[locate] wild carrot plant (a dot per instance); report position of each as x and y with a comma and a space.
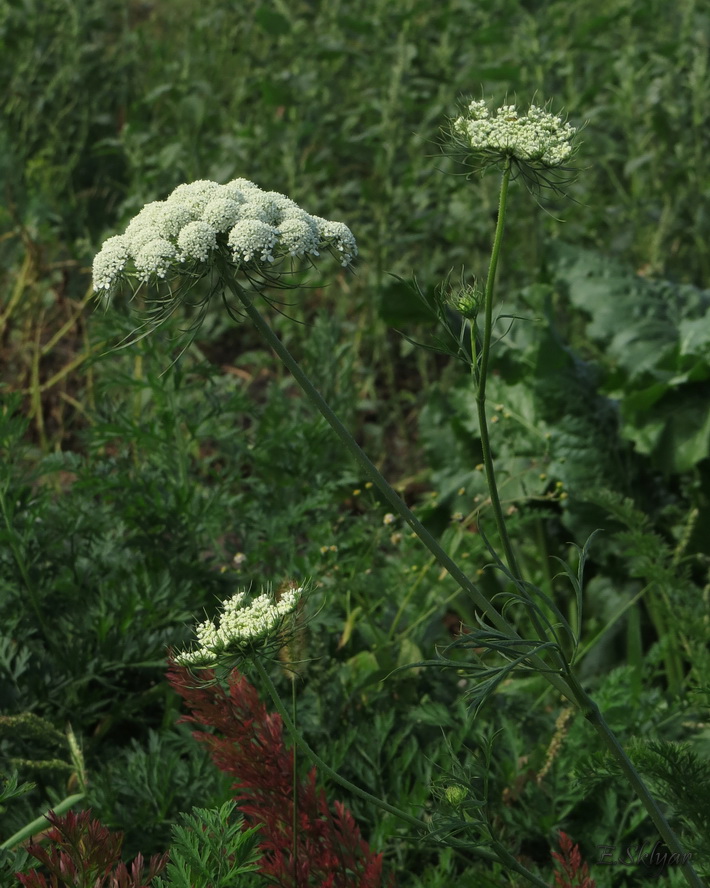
243, 243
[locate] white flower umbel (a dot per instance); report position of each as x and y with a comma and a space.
244, 627
196, 240
248, 227
110, 262
536, 140
339, 236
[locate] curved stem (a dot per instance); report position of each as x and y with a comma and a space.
396, 502
588, 707
593, 714
318, 761
483, 853
568, 686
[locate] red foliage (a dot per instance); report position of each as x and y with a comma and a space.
249, 745
575, 873
82, 853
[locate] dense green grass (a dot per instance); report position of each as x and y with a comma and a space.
129, 481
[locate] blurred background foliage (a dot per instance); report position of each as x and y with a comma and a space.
136, 490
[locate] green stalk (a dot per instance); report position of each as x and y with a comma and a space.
41, 823
588, 707
480, 369
298, 740
396, 502
569, 687
593, 714
318, 761
480, 372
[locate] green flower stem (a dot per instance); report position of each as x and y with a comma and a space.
572, 691
593, 714
318, 761
41, 822
480, 372
298, 740
588, 707
396, 502
481, 376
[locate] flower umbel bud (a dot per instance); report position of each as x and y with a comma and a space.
455, 794
467, 300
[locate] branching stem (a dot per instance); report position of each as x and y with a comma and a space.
419, 825
565, 682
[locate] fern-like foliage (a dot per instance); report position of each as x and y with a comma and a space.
212, 849
82, 853
248, 744
683, 778
573, 872
677, 608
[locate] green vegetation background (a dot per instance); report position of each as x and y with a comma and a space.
129, 482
